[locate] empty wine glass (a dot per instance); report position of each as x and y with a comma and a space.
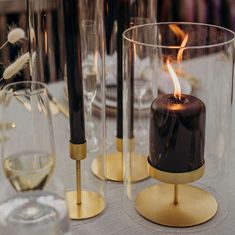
28, 157
90, 58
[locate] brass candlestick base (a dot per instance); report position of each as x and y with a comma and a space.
139, 168
91, 205
82, 204
194, 206
115, 165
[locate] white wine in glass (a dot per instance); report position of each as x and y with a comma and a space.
28, 170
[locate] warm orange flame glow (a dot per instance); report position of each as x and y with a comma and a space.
181, 50
177, 31
134, 51
46, 44
177, 89
180, 33
96, 63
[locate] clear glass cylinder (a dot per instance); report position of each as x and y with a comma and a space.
46, 40
185, 130
85, 45
52, 26
118, 16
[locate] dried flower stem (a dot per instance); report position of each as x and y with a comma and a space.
15, 67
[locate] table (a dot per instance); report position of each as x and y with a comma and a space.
115, 220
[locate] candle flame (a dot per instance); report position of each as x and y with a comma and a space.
185, 37
96, 63
46, 43
177, 88
181, 50
180, 33
134, 51
177, 31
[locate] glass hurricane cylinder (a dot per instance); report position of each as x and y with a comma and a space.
187, 150
54, 27
118, 16
84, 43
46, 40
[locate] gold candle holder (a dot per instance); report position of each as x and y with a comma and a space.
115, 164
174, 203
82, 204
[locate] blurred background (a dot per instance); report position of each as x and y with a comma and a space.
218, 12
13, 14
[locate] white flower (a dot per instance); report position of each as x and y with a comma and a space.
14, 36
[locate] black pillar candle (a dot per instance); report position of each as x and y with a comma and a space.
74, 72
177, 133
123, 18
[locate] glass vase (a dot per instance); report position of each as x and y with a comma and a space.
184, 72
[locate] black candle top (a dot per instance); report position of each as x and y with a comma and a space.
74, 72
186, 105
177, 133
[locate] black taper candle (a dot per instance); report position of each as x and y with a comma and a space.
130, 100
74, 72
177, 133
123, 19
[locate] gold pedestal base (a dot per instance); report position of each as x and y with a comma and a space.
139, 168
195, 206
91, 205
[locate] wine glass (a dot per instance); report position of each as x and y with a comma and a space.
28, 157
90, 58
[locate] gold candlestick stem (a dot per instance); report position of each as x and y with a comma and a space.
78, 173
176, 194
159, 204
82, 204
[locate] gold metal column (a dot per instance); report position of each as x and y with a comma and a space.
82, 204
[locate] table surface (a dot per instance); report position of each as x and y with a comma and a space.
115, 220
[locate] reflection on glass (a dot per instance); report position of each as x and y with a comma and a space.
90, 77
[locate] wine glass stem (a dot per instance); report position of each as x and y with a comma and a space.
139, 111
89, 118
89, 111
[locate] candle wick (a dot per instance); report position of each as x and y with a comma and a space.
177, 97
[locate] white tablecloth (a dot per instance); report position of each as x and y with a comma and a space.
115, 220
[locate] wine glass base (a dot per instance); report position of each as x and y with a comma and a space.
92, 204
138, 170
33, 212
92, 144
195, 206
